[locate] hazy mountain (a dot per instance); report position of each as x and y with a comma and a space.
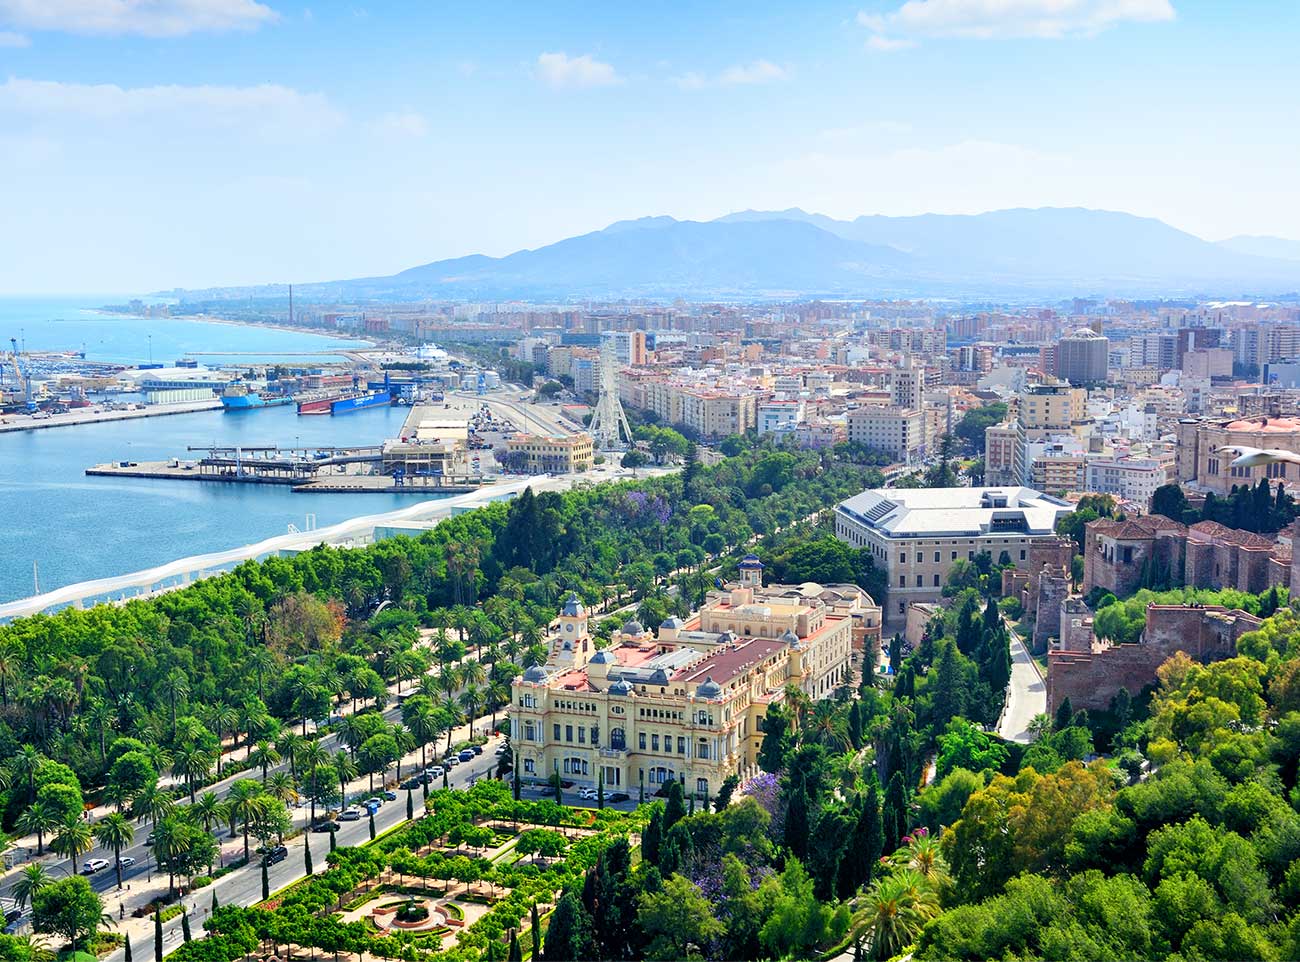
775, 254
1263, 246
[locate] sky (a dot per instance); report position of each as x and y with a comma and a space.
150, 144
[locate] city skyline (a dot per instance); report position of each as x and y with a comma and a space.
237, 142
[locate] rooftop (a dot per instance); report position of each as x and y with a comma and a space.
922, 512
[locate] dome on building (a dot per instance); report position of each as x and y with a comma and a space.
572, 606
672, 622
709, 688
632, 627
619, 686
535, 673
604, 657
658, 677
790, 638
750, 561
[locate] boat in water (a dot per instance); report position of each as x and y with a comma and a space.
344, 402
239, 397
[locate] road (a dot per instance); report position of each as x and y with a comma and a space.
1026, 695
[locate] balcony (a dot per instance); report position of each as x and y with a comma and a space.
615, 753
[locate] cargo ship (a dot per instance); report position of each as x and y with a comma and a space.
238, 397
345, 402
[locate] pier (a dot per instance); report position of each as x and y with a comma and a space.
78, 416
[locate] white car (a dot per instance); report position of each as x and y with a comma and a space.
94, 865
587, 792
128, 861
350, 815
435, 772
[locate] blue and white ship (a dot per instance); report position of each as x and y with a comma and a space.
239, 397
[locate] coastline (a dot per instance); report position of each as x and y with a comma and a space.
369, 345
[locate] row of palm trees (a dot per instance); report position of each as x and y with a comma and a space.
908, 893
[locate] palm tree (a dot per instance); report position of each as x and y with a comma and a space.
99, 719
24, 766
192, 763
10, 667
208, 811
450, 715
498, 695
470, 699
244, 805
827, 728
38, 819
346, 770
174, 687
153, 804
284, 787
31, 947
73, 840
31, 880
224, 719
472, 672
893, 912
290, 746
263, 756
114, 833
405, 744
923, 856
424, 729
798, 701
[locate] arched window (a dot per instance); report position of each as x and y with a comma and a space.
617, 740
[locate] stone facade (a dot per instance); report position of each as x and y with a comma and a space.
1117, 554
1091, 673
1053, 592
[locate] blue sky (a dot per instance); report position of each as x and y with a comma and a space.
152, 143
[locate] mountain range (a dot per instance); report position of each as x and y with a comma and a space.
756, 255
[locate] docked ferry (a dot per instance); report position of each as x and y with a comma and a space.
344, 402
238, 397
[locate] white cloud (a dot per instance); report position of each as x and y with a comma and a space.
989, 19
402, 123
756, 72
266, 107
560, 70
150, 18
10, 39
888, 44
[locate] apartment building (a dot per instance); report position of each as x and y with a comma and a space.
1132, 479
779, 417
918, 534
1053, 407
897, 431
684, 703
537, 454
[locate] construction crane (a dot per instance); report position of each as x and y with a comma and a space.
24, 378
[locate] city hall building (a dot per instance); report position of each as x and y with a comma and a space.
684, 703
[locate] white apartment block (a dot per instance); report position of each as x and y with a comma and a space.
897, 431
1133, 479
779, 417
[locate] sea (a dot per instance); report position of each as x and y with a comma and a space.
58, 526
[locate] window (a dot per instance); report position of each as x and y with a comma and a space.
556, 732
582, 735
702, 750
919, 580
970, 555
902, 557
1022, 554
530, 732
954, 556
681, 745
568, 733
701, 786
641, 740
936, 557
617, 740
902, 581
529, 767
654, 742
936, 581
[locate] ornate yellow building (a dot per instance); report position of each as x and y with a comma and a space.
685, 704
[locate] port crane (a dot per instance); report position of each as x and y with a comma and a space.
24, 377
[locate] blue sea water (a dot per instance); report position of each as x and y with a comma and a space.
76, 527
73, 324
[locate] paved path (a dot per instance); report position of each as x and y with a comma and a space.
1026, 695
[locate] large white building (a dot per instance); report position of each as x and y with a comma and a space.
917, 534
897, 431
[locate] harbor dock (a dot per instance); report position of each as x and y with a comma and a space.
78, 416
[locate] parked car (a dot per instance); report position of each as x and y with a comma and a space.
465, 755
94, 865
128, 861
277, 854
587, 792
412, 783
350, 815
389, 794
476, 749
325, 826
151, 838
451, 761
436, 771
618, 797
371, 805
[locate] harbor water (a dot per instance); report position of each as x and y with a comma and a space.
76, 528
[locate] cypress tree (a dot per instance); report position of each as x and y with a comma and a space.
515, 955
372, 826
894, 813
515, 773
1064, 712
675, 810
157, 935
215, 904
334, 842
641, 800
126, 945
797, 821
185, 926
569, 936
653, 836
410, 806
537, 931
600, 787
306, 855
266, 881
